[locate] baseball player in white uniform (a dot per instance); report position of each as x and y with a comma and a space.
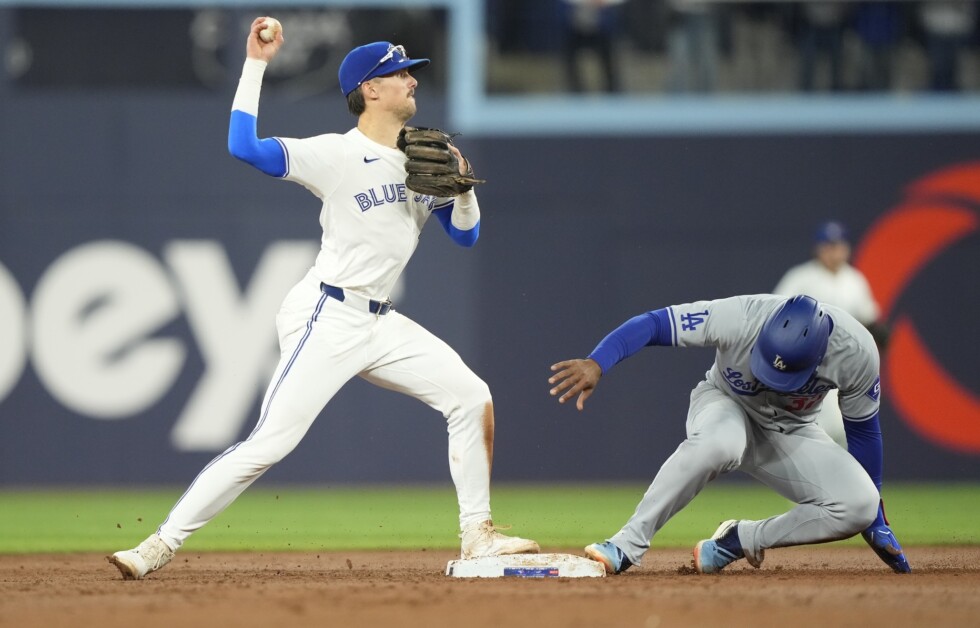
775, 360
829, 278
337, 322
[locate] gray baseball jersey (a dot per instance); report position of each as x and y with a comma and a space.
732, 325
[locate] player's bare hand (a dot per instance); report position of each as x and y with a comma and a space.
255, 48
575, 377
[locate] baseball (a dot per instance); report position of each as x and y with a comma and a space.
270, 29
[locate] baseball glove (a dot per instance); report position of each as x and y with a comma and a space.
432, 168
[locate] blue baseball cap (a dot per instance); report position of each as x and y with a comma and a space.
791, 345
370, 60
832, 231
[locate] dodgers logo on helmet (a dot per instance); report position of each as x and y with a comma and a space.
791, 344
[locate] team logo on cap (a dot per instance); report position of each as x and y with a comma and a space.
778, 363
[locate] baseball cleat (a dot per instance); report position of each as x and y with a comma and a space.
609, 555
723, 548
147, 557
482, 539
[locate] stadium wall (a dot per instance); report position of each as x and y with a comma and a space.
141, 267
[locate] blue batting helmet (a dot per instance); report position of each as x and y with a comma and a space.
791, 344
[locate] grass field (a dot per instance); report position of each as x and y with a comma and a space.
565, 515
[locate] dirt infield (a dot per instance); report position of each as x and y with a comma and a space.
812, 586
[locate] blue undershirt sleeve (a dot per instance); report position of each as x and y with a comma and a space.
648, 329
243, 142
864, 443
460, 237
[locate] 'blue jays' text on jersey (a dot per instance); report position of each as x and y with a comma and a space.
851, 363
371, 221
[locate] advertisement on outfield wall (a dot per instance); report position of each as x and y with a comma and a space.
936, 213
141, 269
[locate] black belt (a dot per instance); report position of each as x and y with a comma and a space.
373, 307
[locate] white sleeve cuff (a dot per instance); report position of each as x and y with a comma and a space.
249, 86
466, 211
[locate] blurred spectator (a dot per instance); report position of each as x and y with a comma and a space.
947, 25
822, 36
518, 26
761, 45
692, 46
879, 24
829, 278
592, 25
750, 46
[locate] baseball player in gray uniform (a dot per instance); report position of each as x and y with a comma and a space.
337, 322
775, 360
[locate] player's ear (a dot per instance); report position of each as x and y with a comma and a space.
370, 89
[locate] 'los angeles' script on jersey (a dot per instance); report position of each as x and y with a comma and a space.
746, 385
742, 385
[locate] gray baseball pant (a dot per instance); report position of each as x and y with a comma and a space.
835, 498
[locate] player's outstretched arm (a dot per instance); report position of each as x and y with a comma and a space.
243, 142
575, 377
580, 377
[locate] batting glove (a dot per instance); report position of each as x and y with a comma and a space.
882, 540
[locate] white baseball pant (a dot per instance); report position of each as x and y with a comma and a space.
324, 343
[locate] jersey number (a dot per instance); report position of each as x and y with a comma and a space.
803, 403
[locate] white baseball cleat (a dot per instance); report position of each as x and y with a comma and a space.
147, 557
482, 539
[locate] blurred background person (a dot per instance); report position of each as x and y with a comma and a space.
829, 278
692, 46
880, 25
947, 26
763, 51
592, 26
822, 36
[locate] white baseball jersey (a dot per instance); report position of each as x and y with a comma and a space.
847, 288
732, 326
371, 221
